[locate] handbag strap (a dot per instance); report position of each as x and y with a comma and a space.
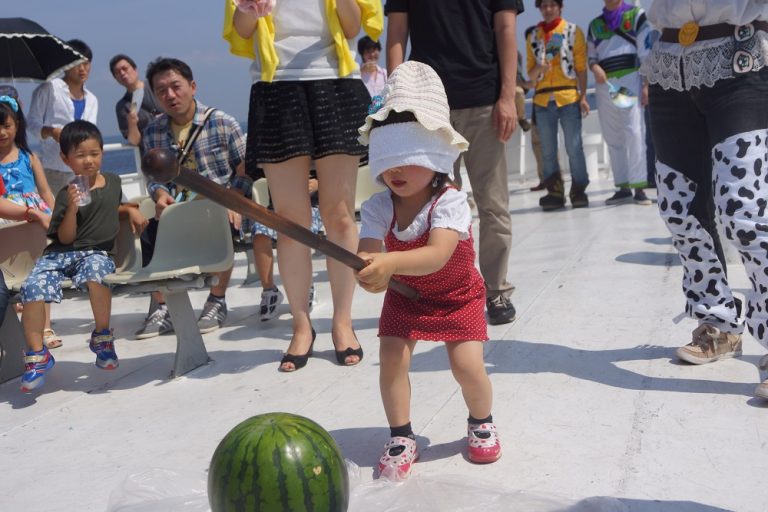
184, 154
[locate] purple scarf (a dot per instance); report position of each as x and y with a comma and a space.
613, 18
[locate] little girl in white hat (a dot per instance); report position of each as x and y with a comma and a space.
419, 231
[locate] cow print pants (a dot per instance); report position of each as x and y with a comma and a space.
712, 159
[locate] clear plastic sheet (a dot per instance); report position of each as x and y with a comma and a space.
426, 492
163, 490
160, 490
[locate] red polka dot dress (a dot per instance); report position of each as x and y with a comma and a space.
451, 305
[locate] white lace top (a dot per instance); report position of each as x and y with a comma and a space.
451, 212
703, 62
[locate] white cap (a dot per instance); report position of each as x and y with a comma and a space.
430, 142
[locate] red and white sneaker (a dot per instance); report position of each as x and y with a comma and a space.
483, 442
397, 460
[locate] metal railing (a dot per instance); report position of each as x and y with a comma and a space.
134, 179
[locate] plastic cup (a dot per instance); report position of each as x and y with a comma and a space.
83, 185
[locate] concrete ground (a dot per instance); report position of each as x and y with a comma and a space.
594, 411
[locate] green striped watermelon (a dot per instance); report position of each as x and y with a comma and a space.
278, 462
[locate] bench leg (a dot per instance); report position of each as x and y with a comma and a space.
12, 346
190, 349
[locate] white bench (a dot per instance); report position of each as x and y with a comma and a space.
21, 243
193, 242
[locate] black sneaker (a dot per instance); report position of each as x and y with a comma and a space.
623, 195
500, 310
552, 202
641, 198
579, 200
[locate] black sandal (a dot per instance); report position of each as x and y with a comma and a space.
342, 355
298, 361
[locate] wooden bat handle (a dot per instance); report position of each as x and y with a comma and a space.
242, 205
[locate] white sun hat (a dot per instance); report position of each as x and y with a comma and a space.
430, 142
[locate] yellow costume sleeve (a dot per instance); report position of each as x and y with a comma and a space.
579, 51
530, 58
372, 20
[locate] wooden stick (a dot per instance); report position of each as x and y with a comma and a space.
160, 165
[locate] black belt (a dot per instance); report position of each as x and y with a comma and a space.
706, 32
620, 63
555, 89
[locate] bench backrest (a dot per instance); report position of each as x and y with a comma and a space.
193, 237
21, 243
260, 192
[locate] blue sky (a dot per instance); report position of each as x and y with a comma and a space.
188, 30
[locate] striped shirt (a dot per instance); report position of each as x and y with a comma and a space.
218, 150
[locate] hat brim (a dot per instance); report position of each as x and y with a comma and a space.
428, 122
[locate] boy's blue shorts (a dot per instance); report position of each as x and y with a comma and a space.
257, 228
44, 282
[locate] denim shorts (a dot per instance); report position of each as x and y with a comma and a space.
44, 282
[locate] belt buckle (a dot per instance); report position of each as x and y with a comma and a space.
743, 62
688, 33
744, 32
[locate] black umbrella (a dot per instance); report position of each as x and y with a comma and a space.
29, 52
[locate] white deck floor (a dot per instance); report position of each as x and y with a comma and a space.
588, 398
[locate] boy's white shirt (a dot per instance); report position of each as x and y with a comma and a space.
52, 106
451, 212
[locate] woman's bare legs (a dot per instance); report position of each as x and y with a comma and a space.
290, 196
337, 180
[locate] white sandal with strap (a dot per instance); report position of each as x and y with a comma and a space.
51, 339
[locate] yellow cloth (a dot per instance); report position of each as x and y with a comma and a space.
372, 22
181, 134
555, 76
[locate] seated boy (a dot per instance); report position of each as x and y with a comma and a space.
82, 248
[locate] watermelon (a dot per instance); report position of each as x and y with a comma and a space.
278, 462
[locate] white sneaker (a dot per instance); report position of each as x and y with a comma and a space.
213, 316
156, 323
270, 299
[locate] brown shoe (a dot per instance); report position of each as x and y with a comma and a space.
761, 391
578, 197
539, 187
710, 344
